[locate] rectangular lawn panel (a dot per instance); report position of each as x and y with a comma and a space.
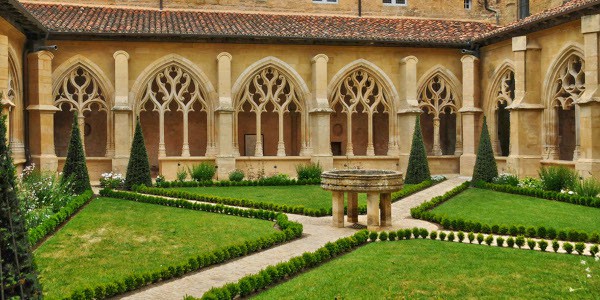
112, 238
310, 196
490, 207
426, 269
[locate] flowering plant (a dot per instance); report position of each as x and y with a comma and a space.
438, 178
112, 180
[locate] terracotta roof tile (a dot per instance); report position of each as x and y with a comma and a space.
72, 19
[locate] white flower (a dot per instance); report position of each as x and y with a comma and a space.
571, 289
588, 269
583, 262
589, 275
571, 192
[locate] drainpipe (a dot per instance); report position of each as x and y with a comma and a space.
160, 4
488, 8
360, 8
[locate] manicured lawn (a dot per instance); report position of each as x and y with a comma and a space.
311, 196
500, 208
112, 238
425, 269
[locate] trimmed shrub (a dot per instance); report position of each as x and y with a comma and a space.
489, 240
418, 166
75, 170
423, 233
543, 245
471, 237
531, 243
480, 238
407, 234
433, 235
236, 175
451, 236
531, 232
461, 236
485, 168
500, 241
383, 236
510, 242
392, 235
202, 172
551, 233
416, 232
309, 171
594, 250
138, 168
555, 245
557, 178
443, 236
568, 247
520, 241
17, 269
373, 236
580, 248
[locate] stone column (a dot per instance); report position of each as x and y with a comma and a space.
526, 110
225, 159
408, 90
385, 209
470, 112
320, 114
41, 111
372, 210
123, 126
588, 162
5, 104
338, 209
352, 207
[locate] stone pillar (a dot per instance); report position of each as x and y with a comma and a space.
470, 112
338, 209
385, 209
352, 207
588, 162
320, 114
225, 159
5, 104
372, 210
123, 126
408, 90
41, 111
526, 110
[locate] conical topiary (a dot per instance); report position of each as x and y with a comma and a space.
138, 169
485, 164
75, 169
418, 167
18, 277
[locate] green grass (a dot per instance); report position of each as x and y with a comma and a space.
425, 269
112, 238
310, 196
490, 207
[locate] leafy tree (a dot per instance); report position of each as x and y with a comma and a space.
18, 277
75, 170
138, 169
418, 167
485, 164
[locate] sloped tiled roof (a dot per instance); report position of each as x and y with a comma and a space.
72, 19
567, 12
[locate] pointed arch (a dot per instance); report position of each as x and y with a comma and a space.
79, 85
440, 97
15, 96
500, 94
167, 86
271, 91
563, 84
359, 93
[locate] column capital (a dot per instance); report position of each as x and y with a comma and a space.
409, 59
590, 23
224, 55
42, 55
469, 59
521, 43
121, 53
320, 58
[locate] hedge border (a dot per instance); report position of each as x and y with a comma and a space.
261, 182
289, 231
275, 274
49, 226
293, 209
424, 212
548, 195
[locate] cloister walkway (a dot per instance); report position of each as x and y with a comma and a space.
317, 232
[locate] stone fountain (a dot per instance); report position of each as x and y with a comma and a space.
377, 184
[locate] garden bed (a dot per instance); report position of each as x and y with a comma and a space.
113, 246
430, 269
